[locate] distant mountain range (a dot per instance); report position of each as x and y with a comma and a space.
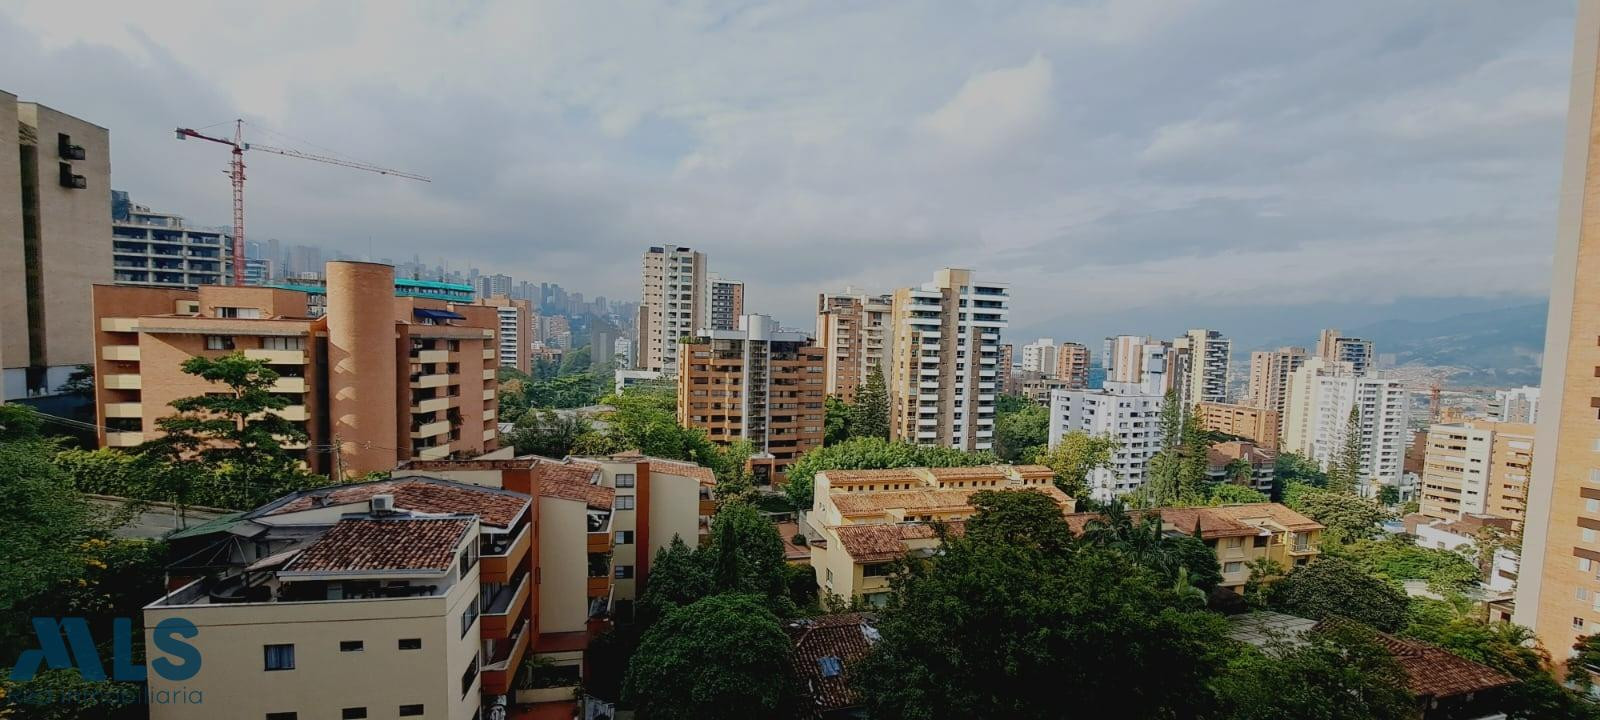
1488, 348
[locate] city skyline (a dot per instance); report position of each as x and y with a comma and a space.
1209, 172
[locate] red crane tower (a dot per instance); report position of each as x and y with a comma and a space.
236, 174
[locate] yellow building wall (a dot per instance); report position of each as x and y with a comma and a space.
563, 565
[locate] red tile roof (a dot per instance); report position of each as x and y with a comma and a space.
1433, 672
880, 543
851, 503
846, 638
497, 508
400, 543
1217, 522
572, 481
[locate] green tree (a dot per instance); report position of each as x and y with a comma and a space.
1456, 626
1022, 433
1340, 673
870, 453
1344, 475
1347, 516
1389, 496
869, 417
1295, 468
41, 540
747, 555
678, 578
1143, 539
546, 433
836, 423
1334, 586
1019, 517
1397, 559
1229, 494
991, 628
1076, 455
19, 423
723, 657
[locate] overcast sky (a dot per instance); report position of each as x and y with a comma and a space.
1100, 156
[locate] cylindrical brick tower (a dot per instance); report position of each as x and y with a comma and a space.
361, 367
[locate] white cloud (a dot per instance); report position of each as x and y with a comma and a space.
995, 108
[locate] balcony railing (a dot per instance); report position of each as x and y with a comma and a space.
502, 669
505, 609
500, 566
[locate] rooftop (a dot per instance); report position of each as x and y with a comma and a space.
928, 499
494, 507
383, 544
880, 543
824, 649
573, 481
1244, 520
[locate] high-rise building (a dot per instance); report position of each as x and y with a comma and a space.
1039, 356
758, 383
1517, 405
727, 302
1140, 360
1206, 376
1269, 376
1557, 584
151, 248
516, 330
1072, 365
1476, 468
1006, 370
855, 331
1317, 421
944, 373
382, 377
491, 285
55, 222
1258, 425
1334, 347
673, 303
1125, 412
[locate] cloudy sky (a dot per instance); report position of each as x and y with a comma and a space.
1179, 159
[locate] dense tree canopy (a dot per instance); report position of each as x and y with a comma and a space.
1340, 674
1347, 516
866, 453
1334, 586
1021, 430
1398, 558
869, 416
1075, 456
724, 656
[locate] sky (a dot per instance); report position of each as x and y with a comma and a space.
1164, 163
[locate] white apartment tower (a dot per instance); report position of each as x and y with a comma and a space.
1334, 347
1140, 360
673, 303
944, 376
1040, 356
1518, 405
1124, 411
1321, 396
727, 303
1205, 377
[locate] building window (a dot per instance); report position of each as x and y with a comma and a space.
279, 657
410, 643
1583, 564
1577, 623
239, 312
468, 677
353, 713
875, 570
411, 710
351, 646
1232, 568
624, 537
624, 502
469, 616
283, 343
624, 572
624, 480
219, 342
283, 716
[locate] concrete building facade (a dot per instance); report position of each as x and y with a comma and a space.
1335, 347
1205, 379
1260, 425
372, 388
55, 218
1072, 365
673, 303
152, 248
1122, 411
855, 330
757, 383
1476, 468
1321, 397
727, 302
1269, 376
1040, 356
1517, 405
516, 325
1142, 361
945, 371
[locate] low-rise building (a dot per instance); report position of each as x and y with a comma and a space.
861, 520
1258, 425
825, 647
1240, 535
1221, 458
1464, 535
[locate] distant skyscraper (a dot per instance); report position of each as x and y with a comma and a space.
1334, 347
855, 332
1040, 356
1072, 365
1206, 376
727, 302
673, 303
1123, 411
1317, 419
943, 378
1519, 405
1269, 376
1140, 360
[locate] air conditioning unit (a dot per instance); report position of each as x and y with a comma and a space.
382, 504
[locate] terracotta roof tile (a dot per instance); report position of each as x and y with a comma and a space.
683, 469
1277, 512
400, 543
1433, 672
929, 499
985, 472
826, 640
573, 481
497, 508
1217, 522
879, 543
874, 475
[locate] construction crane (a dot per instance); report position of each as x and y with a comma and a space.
236, 174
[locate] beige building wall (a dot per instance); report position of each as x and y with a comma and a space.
1269, 376
1511, 464
381, 677
1558, 557
1072, 365
13, 282
563, 564
1258, 424
934, 364
361, 377
1455, 471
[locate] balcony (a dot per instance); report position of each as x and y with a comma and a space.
119, 324
488, 394
488, 415
431, 405
124, 439
490, 434
127, 353
600, 542
428, 430
489, 373
501, 613
502, 669
437, 452
124, 410
489, 354
122, 381
289, 385
419, 382
498, 567
599, 587
430, 356
295, 413
277, 357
